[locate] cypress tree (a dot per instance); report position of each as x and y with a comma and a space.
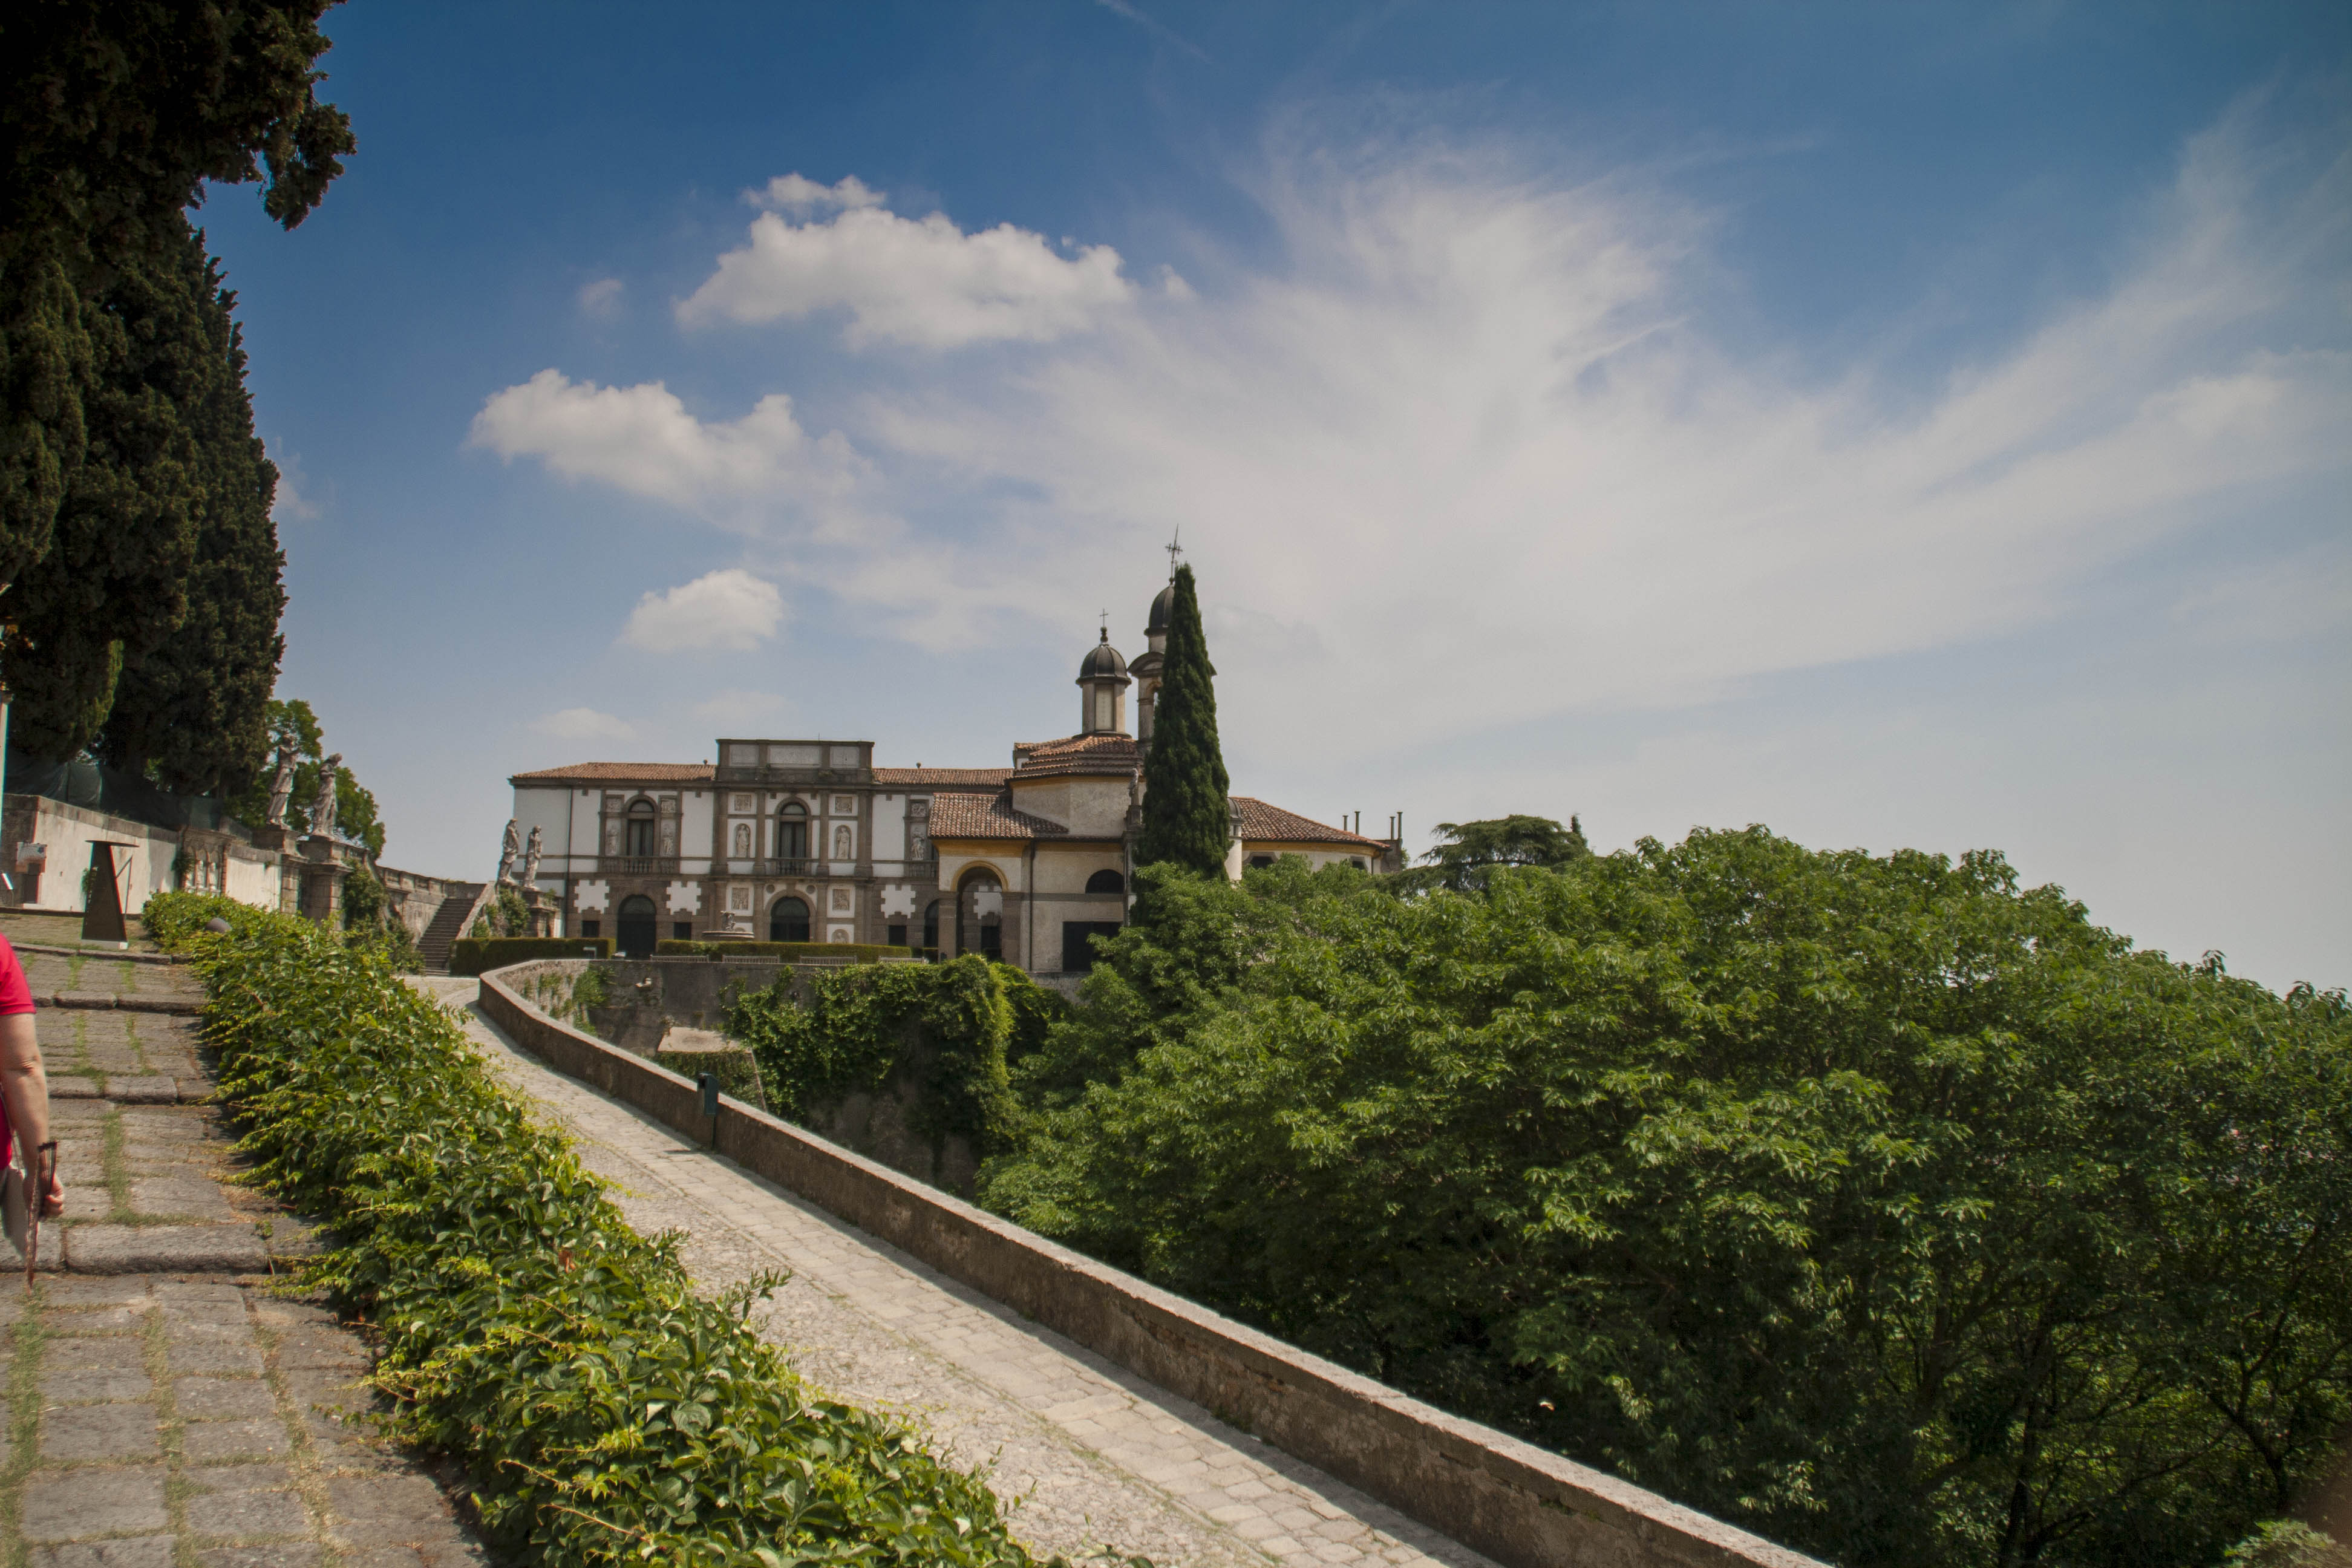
194, 710
1187, 804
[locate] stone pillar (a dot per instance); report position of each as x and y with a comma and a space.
318, 880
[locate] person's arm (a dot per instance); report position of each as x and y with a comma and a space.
26, 1088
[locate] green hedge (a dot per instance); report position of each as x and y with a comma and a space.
480, 955
860, 1023
169, 918
605, 1412
849, 952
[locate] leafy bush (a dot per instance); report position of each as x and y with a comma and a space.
2285, 1543
738, 1072
860, 1026
171, 917
796, 951
606, 1414
362, 900
1875, 1203
479, 955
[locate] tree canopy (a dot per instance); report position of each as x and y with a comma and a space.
112, 115
356, 815
1187, 796
1468, 851
1878, 1205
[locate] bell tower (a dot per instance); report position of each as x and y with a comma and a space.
1102, 689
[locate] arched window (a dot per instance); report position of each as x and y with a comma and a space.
1106, 882
792, 832
742, 841
635, 929
844, 843
979, 916
641, 827
788, 920
932, 925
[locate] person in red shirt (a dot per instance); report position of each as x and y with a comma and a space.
24, 1087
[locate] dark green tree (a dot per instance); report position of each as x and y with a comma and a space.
1879, 1204
1469, 851
112, 115
194, 710
1187, 800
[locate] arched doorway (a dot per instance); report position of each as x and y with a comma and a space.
979, 916
931, 926
634, 927
788, 920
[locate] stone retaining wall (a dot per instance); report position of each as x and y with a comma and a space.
1521, 1505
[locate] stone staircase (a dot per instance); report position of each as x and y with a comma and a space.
449, 923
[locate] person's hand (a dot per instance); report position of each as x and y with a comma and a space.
53, 1202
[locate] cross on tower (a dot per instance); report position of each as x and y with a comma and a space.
1174, 550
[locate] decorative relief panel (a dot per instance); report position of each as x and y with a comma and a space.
841, 901
845, 806
739, 803
739, 896
669, 805
839, 933
669, 835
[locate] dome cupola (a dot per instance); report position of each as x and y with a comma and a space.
1102, 687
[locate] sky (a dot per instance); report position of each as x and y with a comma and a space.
1904, 426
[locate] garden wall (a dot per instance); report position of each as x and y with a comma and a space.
1521, 1505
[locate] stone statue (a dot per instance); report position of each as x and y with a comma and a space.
322, 810
530, 861
510, 847
282, 787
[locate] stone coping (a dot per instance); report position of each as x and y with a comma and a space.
188, 1006
111, 954
1521, 1505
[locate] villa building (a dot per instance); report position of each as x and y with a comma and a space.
810, 841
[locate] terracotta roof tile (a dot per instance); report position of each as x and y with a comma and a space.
987, 816
1111, 754
943, 778
619, 772
1266, 824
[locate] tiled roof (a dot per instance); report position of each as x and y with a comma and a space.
987, 816
1113, 754
1266, 824
943, 778
619, 772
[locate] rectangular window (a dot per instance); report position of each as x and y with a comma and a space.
681, 931
592, 927
1078, 943
896, 936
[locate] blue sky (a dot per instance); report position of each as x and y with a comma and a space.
1902, 426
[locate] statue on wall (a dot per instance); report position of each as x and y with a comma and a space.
322, 810
282, 787
508, 849
530, 861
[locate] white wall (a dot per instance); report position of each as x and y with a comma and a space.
541, 806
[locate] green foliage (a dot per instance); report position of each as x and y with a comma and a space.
394, 945
112, 117
1874, 1204
510, 915
356, 815
605, 1412
194, 710
362, 900
861, 1026
1471, 851
171, 919
797, 952
1035, 1011
479, 955
2285, 1543
1187, 804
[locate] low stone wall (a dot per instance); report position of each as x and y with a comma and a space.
413, 898
251, 875
1521, 1505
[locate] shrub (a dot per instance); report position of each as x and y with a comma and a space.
795, 952
860, 1025
362, 900
169, 918
738, 1072
479, 955
605, 1412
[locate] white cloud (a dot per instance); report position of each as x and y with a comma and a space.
795, 194
925, 283
724, 609
601, 298
291, 502
642, 439
1473, 437
583, 724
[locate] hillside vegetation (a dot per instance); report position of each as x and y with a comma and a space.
1878, 1205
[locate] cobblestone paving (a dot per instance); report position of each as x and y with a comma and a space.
163, 1409
1086, 1453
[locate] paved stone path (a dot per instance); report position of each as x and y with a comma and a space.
1085, 1453
163, 1409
